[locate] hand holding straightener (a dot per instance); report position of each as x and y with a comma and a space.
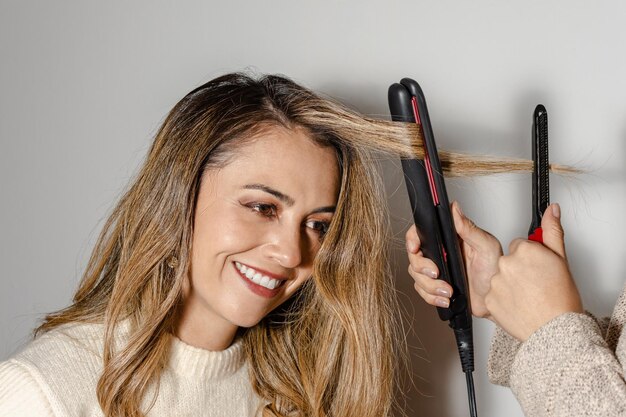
521, 291
525, 289
481, 252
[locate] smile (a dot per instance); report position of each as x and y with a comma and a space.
258, 278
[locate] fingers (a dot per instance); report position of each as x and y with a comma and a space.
553, 235
465, 227
424, 272
412, 240
472, 235
515, 243
434, 291
533, 283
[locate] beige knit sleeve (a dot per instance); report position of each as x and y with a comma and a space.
567, 369
20, 394
504, 348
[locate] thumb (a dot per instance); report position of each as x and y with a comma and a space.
553, 235
471, 234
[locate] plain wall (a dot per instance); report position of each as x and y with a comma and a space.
84, 85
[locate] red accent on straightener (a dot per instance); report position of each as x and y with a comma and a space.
536, 235
416, 112
429, 169
445, 254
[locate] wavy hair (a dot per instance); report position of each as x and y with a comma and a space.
333, 349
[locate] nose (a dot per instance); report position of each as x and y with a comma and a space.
285, 246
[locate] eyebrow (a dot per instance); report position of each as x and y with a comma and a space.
282, 197
327, 209
285, 198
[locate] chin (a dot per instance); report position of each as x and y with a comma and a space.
248, 325
247, 321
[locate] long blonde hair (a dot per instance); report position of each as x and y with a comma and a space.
332, 350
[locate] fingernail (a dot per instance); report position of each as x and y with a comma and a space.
411, 246
429, 272
556, 210
444, 292
442, 302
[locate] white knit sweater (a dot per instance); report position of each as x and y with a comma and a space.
56, 375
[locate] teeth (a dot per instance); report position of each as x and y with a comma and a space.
257, 277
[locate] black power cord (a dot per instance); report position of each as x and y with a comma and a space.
470, 394
465, 345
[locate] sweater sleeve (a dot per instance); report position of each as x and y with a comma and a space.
566, 368
20, 394
504, 348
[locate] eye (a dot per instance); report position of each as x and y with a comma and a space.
266, 210
320, 227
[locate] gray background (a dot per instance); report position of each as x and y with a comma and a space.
84, 85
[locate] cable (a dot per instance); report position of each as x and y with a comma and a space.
471, 395
465, 345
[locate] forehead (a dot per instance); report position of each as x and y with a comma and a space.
288, 160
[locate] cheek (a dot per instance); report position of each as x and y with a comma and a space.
311, 250
220, 233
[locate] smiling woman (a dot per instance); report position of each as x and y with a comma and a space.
244, 272
256, 233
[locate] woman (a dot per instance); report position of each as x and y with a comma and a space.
244, 270
229, 217
558, 360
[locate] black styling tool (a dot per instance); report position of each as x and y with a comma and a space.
433, 220
541, 172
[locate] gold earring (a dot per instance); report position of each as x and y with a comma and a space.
172, 262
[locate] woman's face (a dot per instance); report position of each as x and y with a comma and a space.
258, 226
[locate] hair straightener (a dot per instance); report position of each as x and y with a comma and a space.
433, 220
541, 172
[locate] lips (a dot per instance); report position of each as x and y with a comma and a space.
260, 282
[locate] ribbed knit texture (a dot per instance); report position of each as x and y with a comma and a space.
571, 366
56, 375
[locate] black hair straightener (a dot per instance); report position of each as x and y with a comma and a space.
541, 172
433, 220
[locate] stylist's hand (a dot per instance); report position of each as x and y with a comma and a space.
481, 252
533, 284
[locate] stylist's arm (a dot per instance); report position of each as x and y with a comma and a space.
565, 364
557, 360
